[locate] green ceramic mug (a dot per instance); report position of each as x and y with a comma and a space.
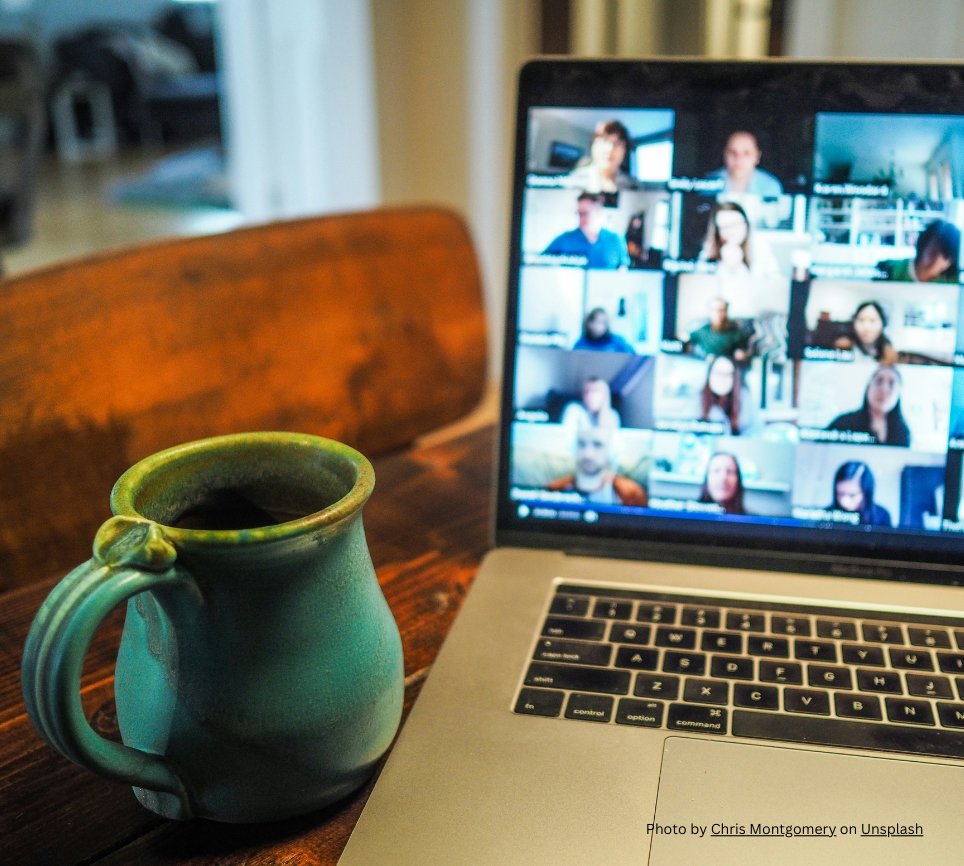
260, 671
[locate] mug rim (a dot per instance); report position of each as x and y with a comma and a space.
127, 486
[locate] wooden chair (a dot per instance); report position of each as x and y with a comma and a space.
367, 328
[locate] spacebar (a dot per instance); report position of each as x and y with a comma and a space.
854, 735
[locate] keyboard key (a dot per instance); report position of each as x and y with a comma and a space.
578, 679
781, 672
606, 609
857, 706
638, 659
815, 651
932, 637
915, 660
656, 686
799, 626
571, 605
959, 637
539, 702
580, 629
951, 663
882, 632
929, 687
731, 667
705, 617
590, 708
939, 742
678, 638
879, 681
684, 663
909, 712
721, 642
746, 621
645, 714
758, 697
829, 677
836, 629
573, 652
858, 654
702, 720
768, 646
951, 715
959, 681
636, 634
806, 701
706, 692
662, 613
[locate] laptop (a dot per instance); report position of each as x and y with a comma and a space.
723, 621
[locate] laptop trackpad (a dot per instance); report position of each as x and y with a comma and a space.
728, 803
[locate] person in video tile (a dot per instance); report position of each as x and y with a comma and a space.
724, 483
741, 158
602, 171
867, 334
594, 479
853, 491
597, 337
728, 239
596, 408
721, 335
724, 398
603, 249
938, 254
880, 416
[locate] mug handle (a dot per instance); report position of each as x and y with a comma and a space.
131, 555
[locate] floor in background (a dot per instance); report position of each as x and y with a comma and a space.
75, 215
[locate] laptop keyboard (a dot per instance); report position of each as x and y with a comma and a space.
768, 671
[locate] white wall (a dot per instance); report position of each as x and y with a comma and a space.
898, 29
301, 125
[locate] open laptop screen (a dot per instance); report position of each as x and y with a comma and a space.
735, 304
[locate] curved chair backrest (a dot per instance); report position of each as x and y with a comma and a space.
368, 328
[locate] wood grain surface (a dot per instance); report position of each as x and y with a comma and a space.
367, 328
428, 525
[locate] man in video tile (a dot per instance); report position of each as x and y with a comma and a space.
596, 336
741, 158
880, 416
938, 254
603, 171
602, 248
853, 491
721, 335
593, 479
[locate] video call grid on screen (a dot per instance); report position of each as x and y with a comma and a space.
713, 324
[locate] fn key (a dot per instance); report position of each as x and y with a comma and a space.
539, 702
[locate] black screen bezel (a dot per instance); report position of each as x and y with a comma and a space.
810, 87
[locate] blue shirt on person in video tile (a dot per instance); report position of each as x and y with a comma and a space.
608, 252
609, 343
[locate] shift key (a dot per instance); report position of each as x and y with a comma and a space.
572, 651
579, 679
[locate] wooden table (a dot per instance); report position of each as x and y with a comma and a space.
428, 525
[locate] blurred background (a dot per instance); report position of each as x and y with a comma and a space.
124, 120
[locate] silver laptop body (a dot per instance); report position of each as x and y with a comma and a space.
723, 622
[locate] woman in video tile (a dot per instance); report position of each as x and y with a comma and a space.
867, 334
938, 254
880, 416
597, 337
853, 491
724, 397
724, 483
596, 408
729, 243
602, 171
